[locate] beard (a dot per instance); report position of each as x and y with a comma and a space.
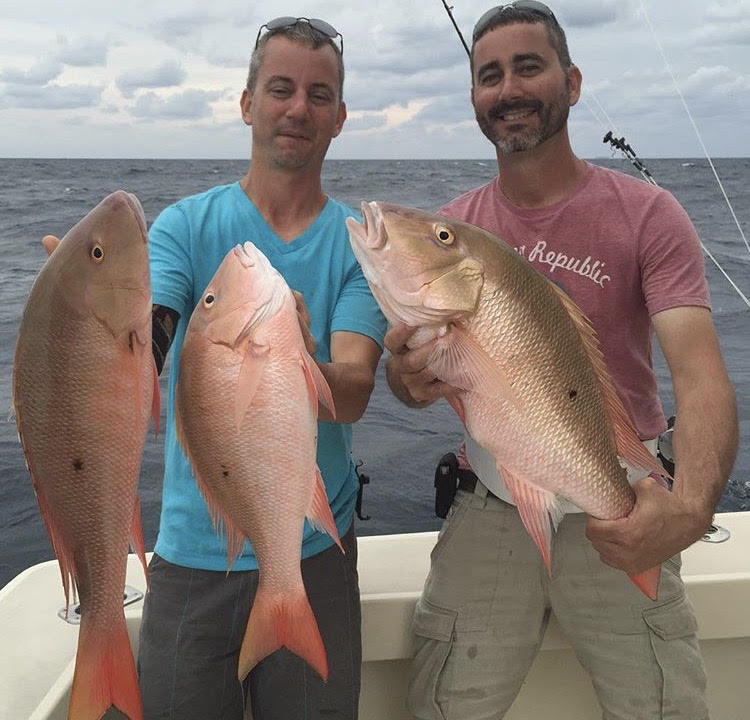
552, 118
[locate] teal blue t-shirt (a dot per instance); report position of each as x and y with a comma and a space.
187, 243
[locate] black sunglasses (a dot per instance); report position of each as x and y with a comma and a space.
491, 14
320, 25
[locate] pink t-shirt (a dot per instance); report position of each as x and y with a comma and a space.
623, 250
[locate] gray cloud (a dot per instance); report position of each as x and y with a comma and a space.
51, 97
168, 74
38, 74
82, 53
592, 13
187, 105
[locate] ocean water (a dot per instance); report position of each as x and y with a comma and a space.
398, 447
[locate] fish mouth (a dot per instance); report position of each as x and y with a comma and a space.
370, 233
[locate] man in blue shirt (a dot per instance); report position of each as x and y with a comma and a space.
195, 612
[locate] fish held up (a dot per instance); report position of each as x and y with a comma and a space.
532, 384
84, 386
246, 414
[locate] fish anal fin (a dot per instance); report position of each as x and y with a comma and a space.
254, 362
317, 385
282, 620
648, 581
319, 512
540, 512
459, 360
628, 444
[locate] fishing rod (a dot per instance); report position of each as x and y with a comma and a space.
449, 10
621, 145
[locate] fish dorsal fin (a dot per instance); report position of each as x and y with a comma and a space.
629, 445
459, 360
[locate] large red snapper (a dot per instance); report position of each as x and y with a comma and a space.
534, 389
84, 384
246, 413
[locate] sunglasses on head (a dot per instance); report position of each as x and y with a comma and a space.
493, 13
320, 25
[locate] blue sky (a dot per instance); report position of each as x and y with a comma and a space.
87, 79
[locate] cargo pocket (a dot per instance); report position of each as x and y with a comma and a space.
433, 639
672, 629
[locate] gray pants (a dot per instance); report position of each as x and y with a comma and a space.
192, 630
486, 603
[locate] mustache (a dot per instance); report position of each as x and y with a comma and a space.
497, 111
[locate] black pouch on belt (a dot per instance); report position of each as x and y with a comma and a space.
446, 483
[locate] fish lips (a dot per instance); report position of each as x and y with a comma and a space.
370, 233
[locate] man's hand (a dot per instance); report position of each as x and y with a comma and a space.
406, 369
304, 322
659, 526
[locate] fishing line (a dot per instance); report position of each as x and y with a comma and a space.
692, 121
621, 145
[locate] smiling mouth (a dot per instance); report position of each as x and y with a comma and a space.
516, 115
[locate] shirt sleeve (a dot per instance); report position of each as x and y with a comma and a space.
356, 309
672, 266
169, 260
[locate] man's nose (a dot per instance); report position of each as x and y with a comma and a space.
298, 105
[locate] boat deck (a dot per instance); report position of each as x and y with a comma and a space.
36, 662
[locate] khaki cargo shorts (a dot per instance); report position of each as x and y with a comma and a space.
485, 607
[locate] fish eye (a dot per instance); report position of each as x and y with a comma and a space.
444, 234
97, 253
209, 299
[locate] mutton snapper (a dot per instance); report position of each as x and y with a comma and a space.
246, 416
533, 387
84, 384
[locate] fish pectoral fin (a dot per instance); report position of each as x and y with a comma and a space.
50, 243
540, 511
647, 581
319, 512
457, 290
459, 360
317, 385
155, 397
253, 363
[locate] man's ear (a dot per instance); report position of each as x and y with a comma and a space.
574, 81
340, 118
246, 101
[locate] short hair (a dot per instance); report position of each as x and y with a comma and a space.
512, 15
304, 34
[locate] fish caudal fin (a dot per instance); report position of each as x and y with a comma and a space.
540, 511
105, 675
648, 582
278, 620
319, 513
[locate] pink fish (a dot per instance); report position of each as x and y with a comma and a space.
533, 387
246, 413
84, 384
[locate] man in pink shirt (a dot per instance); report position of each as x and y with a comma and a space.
627, 253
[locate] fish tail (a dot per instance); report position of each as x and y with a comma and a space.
648, 582
105, 675
282, 619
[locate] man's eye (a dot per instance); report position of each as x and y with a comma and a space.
528, 69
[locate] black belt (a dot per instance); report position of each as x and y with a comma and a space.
449, 478
467, 481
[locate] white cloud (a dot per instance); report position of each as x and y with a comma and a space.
186, 105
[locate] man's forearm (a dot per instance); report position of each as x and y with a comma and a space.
351, 386
705, 444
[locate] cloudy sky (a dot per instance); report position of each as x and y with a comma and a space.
147, 78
